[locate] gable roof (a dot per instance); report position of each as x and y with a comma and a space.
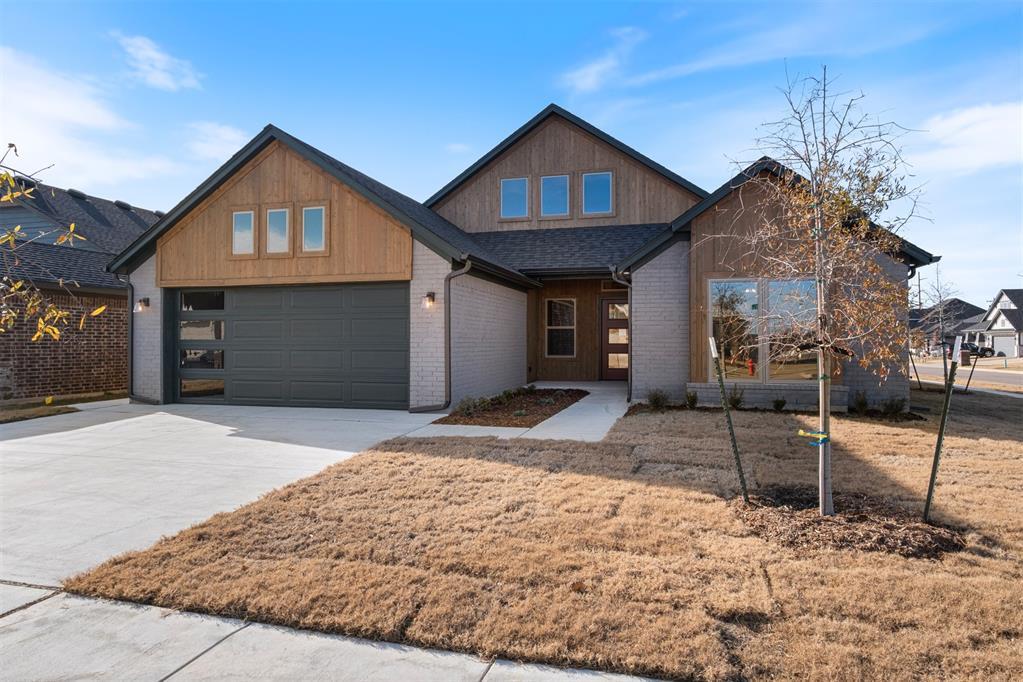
528, 126
564, 250
1014, 295
428, 227
911, 253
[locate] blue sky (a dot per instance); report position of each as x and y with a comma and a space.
141, 101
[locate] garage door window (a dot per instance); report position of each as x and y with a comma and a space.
200, 358
202, 388
201, 330
200, 353
202, 300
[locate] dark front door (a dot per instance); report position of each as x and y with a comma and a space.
614, 332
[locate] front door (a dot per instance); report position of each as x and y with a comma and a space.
614, 333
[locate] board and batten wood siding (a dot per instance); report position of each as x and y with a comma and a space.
585, 366
557, 147
363, 243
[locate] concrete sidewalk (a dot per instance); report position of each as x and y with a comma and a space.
65, 637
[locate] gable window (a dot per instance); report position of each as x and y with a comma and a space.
314, 228
277, 240
598, 193
515, 198
560, 328
756, 319
554, 196
243, 233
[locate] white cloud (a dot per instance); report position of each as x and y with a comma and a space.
211, 141
457, 148
156, 68
971, 139
65, 121
593, 75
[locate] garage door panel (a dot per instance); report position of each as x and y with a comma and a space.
332, 345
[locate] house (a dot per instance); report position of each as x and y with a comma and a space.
76, 279
289, 278
1001, 327
932, 325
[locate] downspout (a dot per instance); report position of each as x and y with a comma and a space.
447, 340
616, 277
131, 347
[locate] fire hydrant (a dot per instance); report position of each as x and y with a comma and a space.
751, 366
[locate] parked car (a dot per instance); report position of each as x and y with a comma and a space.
972, 348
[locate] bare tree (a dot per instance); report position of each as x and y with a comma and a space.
825, 206
22, 301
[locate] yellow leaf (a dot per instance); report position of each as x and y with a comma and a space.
98, 311
49, 400
81, 323
72, 228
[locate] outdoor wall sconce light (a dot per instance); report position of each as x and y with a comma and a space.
141, 304
429, 300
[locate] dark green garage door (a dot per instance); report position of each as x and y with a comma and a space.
339, 346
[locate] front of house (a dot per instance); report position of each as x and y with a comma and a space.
289, 278
1001, 327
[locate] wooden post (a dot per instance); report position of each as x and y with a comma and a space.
919, 384
941, 428
728, 417
973, 366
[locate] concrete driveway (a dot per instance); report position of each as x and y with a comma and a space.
76, 489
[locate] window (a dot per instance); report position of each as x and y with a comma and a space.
277, 240
515, 198
201, 330
202, 388
618, 361
754, 319
618, 311
560, 342
554, 196
314, 226
202, 300
597, 191
243, 233
618, 335
200, 358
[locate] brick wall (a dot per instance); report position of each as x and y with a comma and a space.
660, 324
92, 360
488, 342
802, 396
147, 336
426, 328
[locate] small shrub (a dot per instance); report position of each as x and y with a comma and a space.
519, 413
735, 397
657, 400
529, 389
546, 401
506, 396
692, 400
469, 407
779, 404
860, 405
893, 407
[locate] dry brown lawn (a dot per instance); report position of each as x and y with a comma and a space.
625, 555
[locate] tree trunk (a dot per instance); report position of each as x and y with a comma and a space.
827, 507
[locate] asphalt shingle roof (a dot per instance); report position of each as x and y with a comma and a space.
568, 248
41, 263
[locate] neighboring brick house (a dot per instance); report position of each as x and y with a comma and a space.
91, 360
289, 278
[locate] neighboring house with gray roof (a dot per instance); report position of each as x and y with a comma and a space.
290, 278
75, 277
1001, 327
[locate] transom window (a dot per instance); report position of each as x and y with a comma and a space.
560, 324
243, 233
515, 198
755, 319
598, 193
314, 228
277, 238
554, 196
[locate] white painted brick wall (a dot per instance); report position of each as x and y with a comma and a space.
426, 327
797, 396
660, 324
147, 336
488, 343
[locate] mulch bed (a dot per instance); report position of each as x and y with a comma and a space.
525, 408
789, 516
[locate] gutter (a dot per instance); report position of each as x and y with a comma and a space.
447, 340
131, 348
617, 277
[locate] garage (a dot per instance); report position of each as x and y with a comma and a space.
333, 346
1004, 344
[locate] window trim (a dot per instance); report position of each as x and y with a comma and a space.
265, 212
573, 327
763, 343
568, 198
500, 198
235, 210
582, 193
325, 251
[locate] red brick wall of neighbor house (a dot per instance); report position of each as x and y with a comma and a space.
91, 360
